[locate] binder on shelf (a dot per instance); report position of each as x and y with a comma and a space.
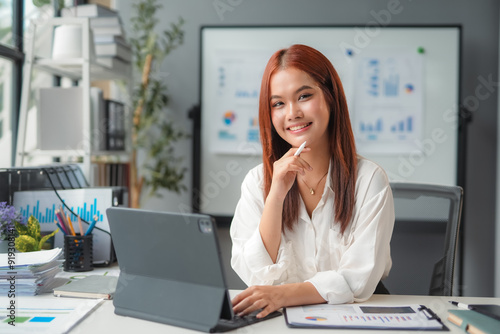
98, 118
115, 136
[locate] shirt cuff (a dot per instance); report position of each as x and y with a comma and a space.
260, 263
332, 287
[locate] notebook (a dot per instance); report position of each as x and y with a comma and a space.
171, 270
94, 286
473, 322
490, 310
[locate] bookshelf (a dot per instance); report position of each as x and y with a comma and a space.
83, 69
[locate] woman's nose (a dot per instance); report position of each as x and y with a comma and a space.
294, 111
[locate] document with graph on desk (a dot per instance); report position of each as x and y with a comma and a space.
409, 317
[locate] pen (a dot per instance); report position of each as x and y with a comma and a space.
301, 147
59, 226
91, 226
461, 305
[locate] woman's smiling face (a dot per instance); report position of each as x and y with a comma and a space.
298, 108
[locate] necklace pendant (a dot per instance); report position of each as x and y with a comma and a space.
311, 190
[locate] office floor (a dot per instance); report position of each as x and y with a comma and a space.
233, 281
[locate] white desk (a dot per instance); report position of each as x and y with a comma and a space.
104, 320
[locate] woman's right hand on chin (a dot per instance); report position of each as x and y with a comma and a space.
285, 171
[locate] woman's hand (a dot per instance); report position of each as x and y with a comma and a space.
266, 297
285, 171
270, 298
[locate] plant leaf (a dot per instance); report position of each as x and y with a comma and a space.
21, 228
34, 228
45, 238
25, 243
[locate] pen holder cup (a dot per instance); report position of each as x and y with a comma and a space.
78, 253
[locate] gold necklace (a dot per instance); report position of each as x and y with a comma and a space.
312, 191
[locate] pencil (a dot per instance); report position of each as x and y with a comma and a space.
71, 226
80, 225
62, 219
60, 227
91, 226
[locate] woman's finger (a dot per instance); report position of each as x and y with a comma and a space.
291, 152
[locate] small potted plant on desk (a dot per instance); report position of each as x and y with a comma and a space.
30, 238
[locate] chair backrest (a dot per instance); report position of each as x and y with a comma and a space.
425, 238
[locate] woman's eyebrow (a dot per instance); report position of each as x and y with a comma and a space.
302, 88
297, 91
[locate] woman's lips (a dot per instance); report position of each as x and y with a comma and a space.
299, 127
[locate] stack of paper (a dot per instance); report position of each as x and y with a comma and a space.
29, 273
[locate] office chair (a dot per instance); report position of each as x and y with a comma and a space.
425, 238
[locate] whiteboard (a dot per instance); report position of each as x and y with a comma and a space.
423, 144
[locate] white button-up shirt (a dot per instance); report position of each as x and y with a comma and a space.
343, 268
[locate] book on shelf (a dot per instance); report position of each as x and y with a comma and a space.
105, 21
112, 30
88, 10
114, 50
94, 286
473, 322
106, 39
114, 63
111, 174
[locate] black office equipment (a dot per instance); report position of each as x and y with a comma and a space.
59, 177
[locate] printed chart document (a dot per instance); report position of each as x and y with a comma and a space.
43, 315
409, 317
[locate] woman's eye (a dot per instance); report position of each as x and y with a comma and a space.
304, 96
277, 104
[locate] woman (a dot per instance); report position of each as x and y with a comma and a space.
314, 227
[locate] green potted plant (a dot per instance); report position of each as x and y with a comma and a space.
153, 131
30, 238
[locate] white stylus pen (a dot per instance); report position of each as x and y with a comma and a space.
301, 147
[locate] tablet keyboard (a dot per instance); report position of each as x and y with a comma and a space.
240, 321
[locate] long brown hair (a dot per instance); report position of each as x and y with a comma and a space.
342, 146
